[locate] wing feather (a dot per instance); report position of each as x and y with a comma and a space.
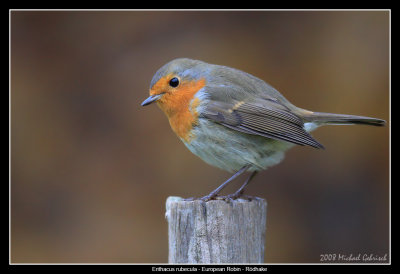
264, 118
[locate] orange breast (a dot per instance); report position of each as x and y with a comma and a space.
177, 104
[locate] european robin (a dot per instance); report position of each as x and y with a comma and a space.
233, 120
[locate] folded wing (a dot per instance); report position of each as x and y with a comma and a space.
267, 118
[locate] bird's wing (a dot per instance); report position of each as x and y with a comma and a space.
266, 118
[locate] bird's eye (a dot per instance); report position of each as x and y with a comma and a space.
174, 82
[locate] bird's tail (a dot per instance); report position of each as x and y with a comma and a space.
322, 118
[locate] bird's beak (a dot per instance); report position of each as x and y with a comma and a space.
152, 99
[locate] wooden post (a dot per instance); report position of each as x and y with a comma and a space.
216, 231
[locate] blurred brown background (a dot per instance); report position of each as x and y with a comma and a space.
91, 169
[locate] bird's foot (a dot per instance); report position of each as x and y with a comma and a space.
206, 198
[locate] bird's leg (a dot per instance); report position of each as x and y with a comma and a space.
240, 191
215, 192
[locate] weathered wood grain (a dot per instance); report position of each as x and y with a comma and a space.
216, 231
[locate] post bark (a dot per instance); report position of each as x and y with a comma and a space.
216, 231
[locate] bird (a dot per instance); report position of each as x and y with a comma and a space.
233, 120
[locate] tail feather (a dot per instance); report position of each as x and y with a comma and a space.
323, 118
